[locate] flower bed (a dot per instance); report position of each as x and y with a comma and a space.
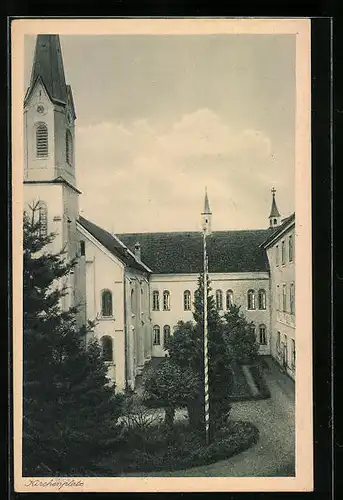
181, 449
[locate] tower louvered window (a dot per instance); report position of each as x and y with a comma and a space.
69, 148
42, 148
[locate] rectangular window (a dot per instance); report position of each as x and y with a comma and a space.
278, 342
277, 255
291, 299
293, 354
82, 248
284, 298
290, 248
283, 253
285, 351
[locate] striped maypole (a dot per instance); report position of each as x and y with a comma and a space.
206, 386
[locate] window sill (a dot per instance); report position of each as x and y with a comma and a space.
106, 318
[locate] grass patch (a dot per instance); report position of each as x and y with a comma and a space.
181, 449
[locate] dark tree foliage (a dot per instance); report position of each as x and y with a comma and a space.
69, 411
186, 349
240, 337
170, 386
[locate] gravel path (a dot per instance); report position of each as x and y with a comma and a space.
274, 453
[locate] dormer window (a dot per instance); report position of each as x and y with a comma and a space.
69, 148
42, 148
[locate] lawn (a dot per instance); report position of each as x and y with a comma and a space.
242, 390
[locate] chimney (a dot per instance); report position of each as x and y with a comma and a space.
137, 251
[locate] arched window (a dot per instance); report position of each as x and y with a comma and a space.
187, 300
262, 335
155, 300
106, 303
251, 299
166, 300
42, 144
156, 337
107, 348
253, 328
261, 299
277, 256
69, 148
166, 334
43, 218
219, 300
229, 299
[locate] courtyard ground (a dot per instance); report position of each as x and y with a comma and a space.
274, 453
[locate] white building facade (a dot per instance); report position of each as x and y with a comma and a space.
280, 248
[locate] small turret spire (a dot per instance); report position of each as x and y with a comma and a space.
206, 216
274, 217
207, 209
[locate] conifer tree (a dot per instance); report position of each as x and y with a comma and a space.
240, 336
186, 349
69, 410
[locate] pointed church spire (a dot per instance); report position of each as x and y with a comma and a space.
48, 65
274, 217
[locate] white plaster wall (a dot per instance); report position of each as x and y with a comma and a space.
239, 283
282, 321
36, 169
103, 271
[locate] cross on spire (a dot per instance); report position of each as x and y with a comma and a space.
273, 191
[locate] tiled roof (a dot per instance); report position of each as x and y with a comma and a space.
228, 251
274, 233
112, 244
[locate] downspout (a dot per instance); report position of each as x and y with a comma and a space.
125, 335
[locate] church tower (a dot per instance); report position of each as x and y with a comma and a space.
274, 217
49, 154
206, 216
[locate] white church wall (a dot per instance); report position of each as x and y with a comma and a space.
239, 283
105, 272
52, 195
37, 169
138, 320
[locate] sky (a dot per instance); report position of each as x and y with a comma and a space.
161, 117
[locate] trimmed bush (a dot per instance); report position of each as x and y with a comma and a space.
182, 449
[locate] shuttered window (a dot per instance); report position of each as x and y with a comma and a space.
42, 148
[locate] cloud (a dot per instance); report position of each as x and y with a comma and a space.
139, 178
